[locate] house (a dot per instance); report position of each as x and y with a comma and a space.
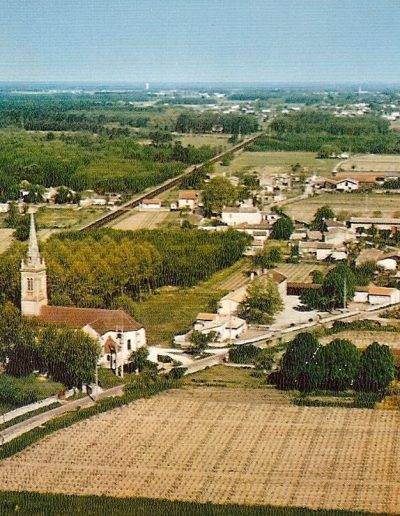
347, 185
320, 250
388, 264
188, 199
380, 223
49, 194
376, 295
229, 304
242, 215
259, 232
150, 204
116, 331
339, 235
226, 327
4, 207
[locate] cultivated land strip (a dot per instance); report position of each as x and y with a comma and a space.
225, 446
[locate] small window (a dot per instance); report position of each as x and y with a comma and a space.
108, 357
30, 284
129, 344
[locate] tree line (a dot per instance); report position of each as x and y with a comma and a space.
108, 268
206, 122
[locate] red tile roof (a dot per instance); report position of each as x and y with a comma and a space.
99, 319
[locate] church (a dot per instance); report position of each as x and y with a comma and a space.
116, 331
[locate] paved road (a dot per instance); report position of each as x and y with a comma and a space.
35, 421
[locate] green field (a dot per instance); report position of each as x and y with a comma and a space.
35, 504
67, 218
172, 310
247, 161
347, 204
224, 376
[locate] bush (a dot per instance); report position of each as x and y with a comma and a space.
15, 392
176, 373
243, 354
366, 399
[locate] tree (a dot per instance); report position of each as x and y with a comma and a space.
268, 258
302, 364
328, 151
317, 276
139, 358
341, 360
200, 340
376, 369
282, 228
262, 302
22, 228
160, 137
219, 192
64, 195
12, 219
321, 215
339, 285
70, 356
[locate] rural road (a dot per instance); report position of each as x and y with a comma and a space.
10, 433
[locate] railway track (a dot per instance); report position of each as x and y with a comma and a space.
167, 185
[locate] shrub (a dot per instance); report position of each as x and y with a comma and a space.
243, 354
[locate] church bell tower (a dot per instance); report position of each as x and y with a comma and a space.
33, 277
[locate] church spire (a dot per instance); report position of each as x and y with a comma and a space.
33, 249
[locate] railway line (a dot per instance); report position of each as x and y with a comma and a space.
167, 185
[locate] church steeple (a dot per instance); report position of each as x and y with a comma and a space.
33, 277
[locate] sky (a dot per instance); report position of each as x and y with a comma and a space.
265, 41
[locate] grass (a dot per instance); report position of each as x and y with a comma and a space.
172, 310
282, 161
224, 376
345, 205
66, 218
35, 504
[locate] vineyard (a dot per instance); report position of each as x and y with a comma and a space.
225, 446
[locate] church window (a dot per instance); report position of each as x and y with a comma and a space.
129, 344
30, 284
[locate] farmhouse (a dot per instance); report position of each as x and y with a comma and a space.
226, 327
242, 215
188, 199
320, 250
347, 185
150, 204
376, 295
116, 331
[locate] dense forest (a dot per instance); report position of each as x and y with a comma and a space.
309, 130
83, 161
206, 122
107, 267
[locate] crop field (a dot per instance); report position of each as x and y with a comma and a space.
143, 220
221, 445
278, 161
301, 271
372, 163
347, 204
5, 239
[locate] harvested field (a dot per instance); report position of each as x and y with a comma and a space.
142, 220
348, 204
224, 446
301, 271
5, 238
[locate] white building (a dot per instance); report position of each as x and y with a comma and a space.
360, 223
4, 207
150, 204
226, 327
347, 185
116, 331
376, 295
242, 215
188, 199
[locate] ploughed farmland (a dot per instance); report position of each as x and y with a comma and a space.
225, 446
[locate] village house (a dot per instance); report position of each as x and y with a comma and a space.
150, 204
188, 199
362, 223
243, 215
347, 185
322, 250
226, 327
376, 295
116, 331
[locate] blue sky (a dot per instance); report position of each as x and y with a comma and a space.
200, 40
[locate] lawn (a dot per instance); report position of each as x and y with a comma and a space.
280, 162
172, 310
66, 217
346, 204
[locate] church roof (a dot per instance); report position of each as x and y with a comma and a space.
99, 319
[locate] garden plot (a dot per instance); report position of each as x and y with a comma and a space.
301, 271
223, 446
